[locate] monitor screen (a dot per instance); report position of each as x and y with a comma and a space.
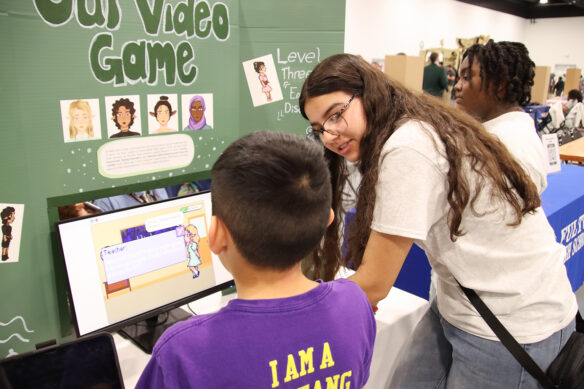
125, 265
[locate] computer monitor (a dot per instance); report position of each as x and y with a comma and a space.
128, 269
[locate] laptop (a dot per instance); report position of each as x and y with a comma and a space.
87, 362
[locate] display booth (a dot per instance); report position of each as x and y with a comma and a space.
107, 98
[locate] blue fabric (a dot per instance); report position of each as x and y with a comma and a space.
442, 356
563, 203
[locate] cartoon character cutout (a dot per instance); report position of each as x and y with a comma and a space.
192, 240
8, 216
197, 119
123, 115
80, 121
162, 113
260, 68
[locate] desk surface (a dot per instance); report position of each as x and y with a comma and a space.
396, 319
573, 151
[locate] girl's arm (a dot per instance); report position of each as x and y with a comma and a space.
382, 262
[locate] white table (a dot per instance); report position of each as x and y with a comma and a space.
396, 318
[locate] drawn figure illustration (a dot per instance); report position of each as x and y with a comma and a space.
192, 240
260, 68
8, 216
80, 121
163, 112
197, 120
123, 115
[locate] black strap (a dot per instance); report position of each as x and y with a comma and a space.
507, 339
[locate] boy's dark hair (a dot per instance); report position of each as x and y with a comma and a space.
273, 192
504, 62
129, 105
575, 94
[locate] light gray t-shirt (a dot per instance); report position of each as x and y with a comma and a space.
518, 271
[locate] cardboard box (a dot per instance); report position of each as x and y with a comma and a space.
409, 70
572, 80
539, 91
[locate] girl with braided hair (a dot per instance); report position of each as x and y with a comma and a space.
431, 174
495, 81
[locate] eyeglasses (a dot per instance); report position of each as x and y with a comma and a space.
336, 120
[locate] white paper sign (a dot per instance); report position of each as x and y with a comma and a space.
552, 152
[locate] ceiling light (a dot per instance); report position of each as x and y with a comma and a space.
543, 1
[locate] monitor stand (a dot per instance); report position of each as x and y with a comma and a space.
145, 333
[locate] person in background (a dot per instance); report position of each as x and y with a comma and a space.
495, 82
559, 87
435, 80
452, 76
271, 206
431, 174
574, 97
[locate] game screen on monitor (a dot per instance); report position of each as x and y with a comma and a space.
129, 262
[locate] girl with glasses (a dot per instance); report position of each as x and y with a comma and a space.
432, 175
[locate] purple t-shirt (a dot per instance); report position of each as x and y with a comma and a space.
326, 334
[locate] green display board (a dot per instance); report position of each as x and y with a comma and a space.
77, 74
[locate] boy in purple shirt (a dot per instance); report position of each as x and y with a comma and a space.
271, 206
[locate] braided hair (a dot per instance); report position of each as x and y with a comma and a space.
504, 62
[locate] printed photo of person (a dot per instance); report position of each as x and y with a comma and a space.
162, 118
11, 216
80, 120
197, 112
262, 80
125, 119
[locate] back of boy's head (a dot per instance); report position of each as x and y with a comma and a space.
504, 62
273, 193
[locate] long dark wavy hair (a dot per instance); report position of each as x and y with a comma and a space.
387, 105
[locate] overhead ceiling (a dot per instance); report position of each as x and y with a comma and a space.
533, 9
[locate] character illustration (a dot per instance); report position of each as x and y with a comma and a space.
123, 115
192, 240
80, 125
260, 68
8, 217
197, 120
163, 112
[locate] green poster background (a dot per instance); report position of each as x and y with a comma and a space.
44, 63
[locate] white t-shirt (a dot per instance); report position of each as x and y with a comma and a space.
517, 131
518, 271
